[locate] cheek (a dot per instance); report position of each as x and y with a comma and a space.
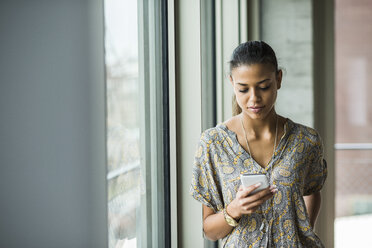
241, 98
271, 96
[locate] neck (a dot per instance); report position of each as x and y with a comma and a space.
257, 128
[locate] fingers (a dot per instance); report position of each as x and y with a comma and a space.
258, 198
262, 193
251, 207
252, 210
257, 203
249, 203
246, 193
248, 190
241, 188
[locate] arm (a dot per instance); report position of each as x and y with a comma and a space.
214, 224
312, 203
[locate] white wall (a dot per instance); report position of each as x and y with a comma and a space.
52, 128
189, 122
287, 27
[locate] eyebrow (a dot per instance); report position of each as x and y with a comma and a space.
260, 82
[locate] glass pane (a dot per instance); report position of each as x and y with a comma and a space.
353, 67
353, 185
353, 198
121, 45
353, 39
287, 27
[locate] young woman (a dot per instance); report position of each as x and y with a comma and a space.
256, 140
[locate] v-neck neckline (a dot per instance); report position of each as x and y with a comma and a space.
240, 147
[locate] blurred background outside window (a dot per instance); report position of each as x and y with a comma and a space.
353, 154
123, 140
287, 26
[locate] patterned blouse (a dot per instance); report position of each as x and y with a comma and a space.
297, 169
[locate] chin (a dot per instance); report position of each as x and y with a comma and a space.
256, 116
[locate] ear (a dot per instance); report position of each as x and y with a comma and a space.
231, 80
279, 77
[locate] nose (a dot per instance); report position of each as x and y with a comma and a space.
255, 95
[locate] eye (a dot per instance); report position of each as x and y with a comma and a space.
265, 88
243, 91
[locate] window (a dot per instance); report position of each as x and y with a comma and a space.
353, 37
137, 143
123, 142
287, 27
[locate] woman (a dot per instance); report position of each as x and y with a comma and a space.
256, 140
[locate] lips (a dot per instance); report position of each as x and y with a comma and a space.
256, 109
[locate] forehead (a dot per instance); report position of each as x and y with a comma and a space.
252, 73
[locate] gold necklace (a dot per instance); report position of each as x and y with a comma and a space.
264, 222
246, 139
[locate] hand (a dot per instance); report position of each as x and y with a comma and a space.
244, 203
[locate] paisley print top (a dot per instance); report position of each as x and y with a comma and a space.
297, 168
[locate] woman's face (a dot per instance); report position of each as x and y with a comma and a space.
255, 87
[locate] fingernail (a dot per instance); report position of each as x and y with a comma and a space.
257, 184
274, 191
272, 187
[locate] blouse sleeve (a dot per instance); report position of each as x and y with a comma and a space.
317, 170
203, 185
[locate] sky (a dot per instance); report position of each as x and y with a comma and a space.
121, 39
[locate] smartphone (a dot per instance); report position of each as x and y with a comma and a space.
250, 179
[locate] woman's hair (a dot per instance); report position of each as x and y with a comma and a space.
249, 53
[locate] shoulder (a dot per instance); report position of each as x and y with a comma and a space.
308, 134
233, 123
215, 135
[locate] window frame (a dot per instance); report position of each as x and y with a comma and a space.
155, 222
